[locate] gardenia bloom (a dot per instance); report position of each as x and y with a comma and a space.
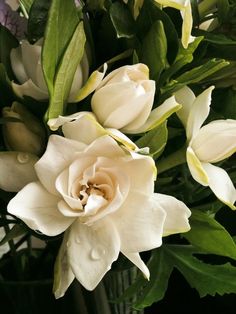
102, 195
12, 20
124, 99
26, 64
186, 12
207, 144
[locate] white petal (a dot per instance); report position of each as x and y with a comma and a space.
59, 154
17, 170
198, 113
63, 275
156, 117
215, 141
85, 129
17, 65
221, 184
122, 138
140, 223
92, 250
186, 98
55, 123
105, 146
38, 209
137, 261
196, 168
29, 89
187, 24
177, 214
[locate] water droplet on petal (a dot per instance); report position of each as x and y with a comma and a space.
23, 158
97, 253
68, 244
77, 240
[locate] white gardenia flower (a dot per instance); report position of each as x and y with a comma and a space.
124, 99
103, 197
207, 144
26, 64
186, 12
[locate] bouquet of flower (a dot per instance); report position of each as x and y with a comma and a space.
117, 143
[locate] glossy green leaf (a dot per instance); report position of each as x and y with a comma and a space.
149, 14
209, 235
154, 50
195, 75
155, 139
185, 56
160, 271
122, 20
26, 5
61, 25
206, 278
66, 71
62, 51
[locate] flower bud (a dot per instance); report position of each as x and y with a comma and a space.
26, 64
26, 133
124, 99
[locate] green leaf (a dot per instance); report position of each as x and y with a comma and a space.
223, 10
160, 271
15, 232
185, 56
155, 139
149, 14
195, 75
209, 235
61, 25
37, 19
224, 103
122, 20
206, 278
217, 39
154, 50
66, 72
62, 51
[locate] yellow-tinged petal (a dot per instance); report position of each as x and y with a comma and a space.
157, 116
92, 83
196, 168
221, 184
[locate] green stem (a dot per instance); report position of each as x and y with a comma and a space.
205, 7
171, 161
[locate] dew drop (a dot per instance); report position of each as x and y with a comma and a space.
97, 253
68, 244
23, 158
77, 240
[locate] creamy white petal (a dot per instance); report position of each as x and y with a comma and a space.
186, 98
92, 250
122, 138
140, 223
221, 184
38, 209
17, 65
109, 104
105, 146
215, 141
29, 89
85, 129
177, 214
17, 170
59, 154
55, 123
137, 261
63, 275
196, 168
156, 117
198, 113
